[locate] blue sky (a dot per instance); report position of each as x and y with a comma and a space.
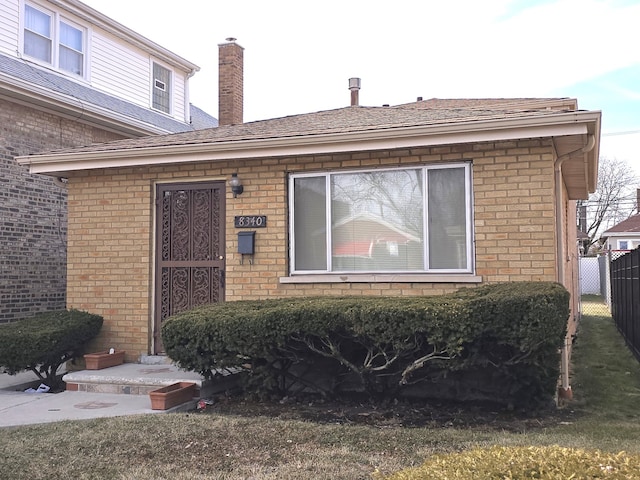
300, 55
617, 94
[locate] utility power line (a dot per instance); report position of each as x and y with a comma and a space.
615, 134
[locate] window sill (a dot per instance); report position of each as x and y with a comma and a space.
56, 69
384, 278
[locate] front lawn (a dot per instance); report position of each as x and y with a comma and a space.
286, 441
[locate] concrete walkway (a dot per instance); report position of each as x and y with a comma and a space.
20, 408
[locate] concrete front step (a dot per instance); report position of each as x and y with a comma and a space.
140, 379
155, 360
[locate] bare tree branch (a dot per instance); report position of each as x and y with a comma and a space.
419, 363
329, 349
614, 199
377, 359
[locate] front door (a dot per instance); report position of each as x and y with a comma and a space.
190, 249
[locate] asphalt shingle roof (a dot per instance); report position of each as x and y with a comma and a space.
630, 225
342, 120
201, 119
25, 72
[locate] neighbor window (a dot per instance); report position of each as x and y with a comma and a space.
38, 34
71, 57
623, 245
161, 88
397, 220
53, 40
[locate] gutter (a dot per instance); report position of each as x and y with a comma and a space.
561, 259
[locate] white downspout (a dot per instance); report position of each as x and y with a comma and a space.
565, 391
187, 97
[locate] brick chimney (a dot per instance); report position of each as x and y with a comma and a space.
230, 82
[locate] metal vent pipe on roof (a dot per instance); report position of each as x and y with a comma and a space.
354, 86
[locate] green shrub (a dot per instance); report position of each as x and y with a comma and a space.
44, 342
500, 340
522, 463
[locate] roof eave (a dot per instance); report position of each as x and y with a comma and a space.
74, 109
594, 155
608, 234
574, 123
580, 170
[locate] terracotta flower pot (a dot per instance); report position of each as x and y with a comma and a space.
172, 395
100, 360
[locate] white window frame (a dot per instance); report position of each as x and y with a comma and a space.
51, 37
56, 20
425, 275
167, 86
83, 52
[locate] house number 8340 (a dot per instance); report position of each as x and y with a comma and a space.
250, 221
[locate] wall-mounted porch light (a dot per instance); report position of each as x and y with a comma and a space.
236, 185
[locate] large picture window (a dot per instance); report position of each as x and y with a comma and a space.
397, 220
53, 40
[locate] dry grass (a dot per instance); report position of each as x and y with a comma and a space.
212, 446
220, 445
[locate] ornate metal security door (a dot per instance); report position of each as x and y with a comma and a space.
189, 249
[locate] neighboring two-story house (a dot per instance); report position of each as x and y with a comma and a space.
70, 76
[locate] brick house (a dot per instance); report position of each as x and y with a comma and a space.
69, 76
455, 193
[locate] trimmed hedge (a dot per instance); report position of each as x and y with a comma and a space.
495, 342
44, 342
504, 463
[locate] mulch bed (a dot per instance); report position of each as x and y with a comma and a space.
393, 414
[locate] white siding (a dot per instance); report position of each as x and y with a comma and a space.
120, 70
9, 26
613, 242
177, 111
632, 243
125, 72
